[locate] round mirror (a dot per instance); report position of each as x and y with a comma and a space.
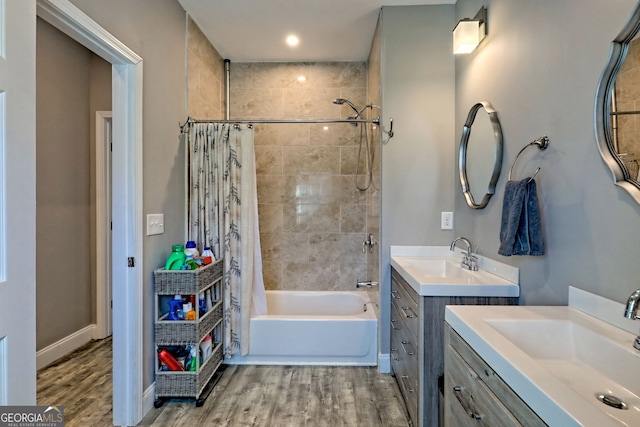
615, 110
480, 157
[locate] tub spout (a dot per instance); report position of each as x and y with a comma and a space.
366, 283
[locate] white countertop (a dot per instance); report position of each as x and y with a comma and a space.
493, 279
558, 401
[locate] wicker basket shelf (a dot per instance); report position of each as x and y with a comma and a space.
172, 282
183, 332
169, 333
185, 383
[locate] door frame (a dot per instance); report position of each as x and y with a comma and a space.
126, 187
104, 126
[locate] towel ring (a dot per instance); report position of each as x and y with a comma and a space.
542, 143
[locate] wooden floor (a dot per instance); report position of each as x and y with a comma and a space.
259, 396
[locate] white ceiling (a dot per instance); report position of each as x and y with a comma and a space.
255, 30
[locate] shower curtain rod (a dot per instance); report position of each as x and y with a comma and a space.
375, 121
190, 120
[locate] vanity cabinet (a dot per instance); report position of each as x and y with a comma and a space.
417, 353
475, 395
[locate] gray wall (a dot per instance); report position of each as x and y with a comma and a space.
63, 267
155, 30
72, 84
539, 67
417, 79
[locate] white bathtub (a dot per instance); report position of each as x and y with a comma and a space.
313, 328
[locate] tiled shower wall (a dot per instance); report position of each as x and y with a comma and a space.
373, 194
313, 220
205, 85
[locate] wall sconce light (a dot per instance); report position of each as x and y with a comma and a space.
468, 33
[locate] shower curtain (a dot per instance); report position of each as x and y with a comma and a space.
223, 214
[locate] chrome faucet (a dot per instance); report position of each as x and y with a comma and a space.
631, 312
469, 260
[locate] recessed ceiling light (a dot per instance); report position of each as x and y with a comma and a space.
302, 79
292, 40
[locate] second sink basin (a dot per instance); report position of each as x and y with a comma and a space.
585, 360
559, 360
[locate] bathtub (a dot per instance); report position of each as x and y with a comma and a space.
313, 328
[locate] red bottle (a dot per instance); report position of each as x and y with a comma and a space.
169, 360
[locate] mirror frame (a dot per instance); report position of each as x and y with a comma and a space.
497, 159
619, 49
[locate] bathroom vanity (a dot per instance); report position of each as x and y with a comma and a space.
423, 281
569, 366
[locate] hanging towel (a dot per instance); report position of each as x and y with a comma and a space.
521, 229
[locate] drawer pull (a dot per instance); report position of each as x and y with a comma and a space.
476, 416
394, 295
404, 343
409, 315
394, 351
393, 325
455, 388
404, 379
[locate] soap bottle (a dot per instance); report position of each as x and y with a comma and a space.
176, 259
175, 308
202, 304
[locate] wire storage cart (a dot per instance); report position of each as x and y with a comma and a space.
198, 338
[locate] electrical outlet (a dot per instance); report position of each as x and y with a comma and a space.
155, 224
446, 222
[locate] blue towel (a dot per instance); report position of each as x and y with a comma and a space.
521, 228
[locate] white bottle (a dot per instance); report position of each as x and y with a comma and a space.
208, 253
191, 249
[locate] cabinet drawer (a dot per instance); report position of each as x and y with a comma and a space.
406, 309
404, 320
468, 398
482, 381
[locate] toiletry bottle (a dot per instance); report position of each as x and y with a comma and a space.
191, 249
207, 254
169, 360
202, 304
176, 259
175, 308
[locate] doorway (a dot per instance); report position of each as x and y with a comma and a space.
126, 192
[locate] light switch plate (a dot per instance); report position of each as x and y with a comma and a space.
155, 224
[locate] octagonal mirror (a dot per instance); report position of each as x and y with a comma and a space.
480, 155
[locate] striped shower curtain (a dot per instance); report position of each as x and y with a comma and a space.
223, 214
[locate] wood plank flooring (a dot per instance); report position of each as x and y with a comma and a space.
256, 396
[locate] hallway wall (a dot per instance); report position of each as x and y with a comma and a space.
72, 83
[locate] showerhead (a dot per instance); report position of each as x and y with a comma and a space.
340, 101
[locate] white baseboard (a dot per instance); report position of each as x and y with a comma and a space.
384, 363
148, 398
64, 346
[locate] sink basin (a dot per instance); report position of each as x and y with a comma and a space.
559, 360
587, 361
443, 276
439, 268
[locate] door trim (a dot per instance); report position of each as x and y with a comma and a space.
103, 226
126, 201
